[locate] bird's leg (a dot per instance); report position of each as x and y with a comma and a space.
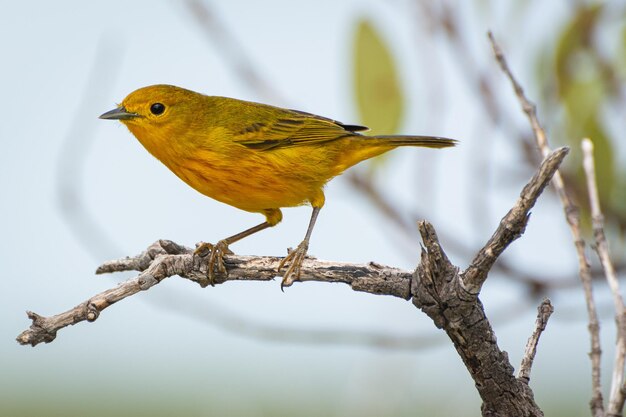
295, 257
216, 261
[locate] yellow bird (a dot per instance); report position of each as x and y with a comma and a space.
252, 156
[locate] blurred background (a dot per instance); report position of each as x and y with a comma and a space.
77, 191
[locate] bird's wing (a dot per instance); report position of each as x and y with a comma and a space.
296, 128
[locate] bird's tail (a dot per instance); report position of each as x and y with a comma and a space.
362, 147
405, 140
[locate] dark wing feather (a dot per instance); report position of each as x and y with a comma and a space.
296, 128
350, 128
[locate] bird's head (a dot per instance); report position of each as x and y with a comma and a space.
155, 105
160, 116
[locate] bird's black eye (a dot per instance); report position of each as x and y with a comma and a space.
157, 109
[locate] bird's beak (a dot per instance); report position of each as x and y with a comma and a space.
118, 114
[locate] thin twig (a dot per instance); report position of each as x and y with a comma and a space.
544, 311
573, 220
616, 397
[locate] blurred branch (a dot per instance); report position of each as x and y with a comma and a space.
448, 19
617, 394
573, 220
441, 16
218, 317
73, 156
222, 38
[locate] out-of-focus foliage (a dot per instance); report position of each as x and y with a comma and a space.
583, 78
586, 80
379, 97
377, 88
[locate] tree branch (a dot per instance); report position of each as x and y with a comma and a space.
544, 311
450, 299
164, 259
438, 292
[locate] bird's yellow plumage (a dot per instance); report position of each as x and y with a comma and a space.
252, 156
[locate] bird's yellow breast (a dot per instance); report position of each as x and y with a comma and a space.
249, 179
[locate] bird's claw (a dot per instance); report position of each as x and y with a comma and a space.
295, 258
216, 260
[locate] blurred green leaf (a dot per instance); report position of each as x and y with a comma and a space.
576, 38
380, 100
583, 97
621, 61
585, 84
604, 162
619, 206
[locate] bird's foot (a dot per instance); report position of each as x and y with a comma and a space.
295, 258
216, 260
